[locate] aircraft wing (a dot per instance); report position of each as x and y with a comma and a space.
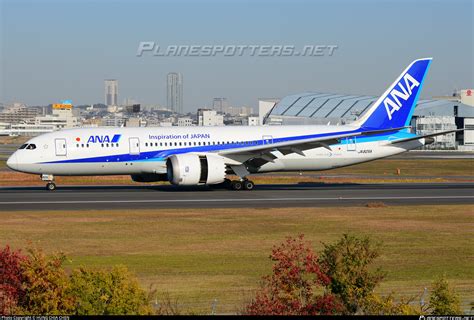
262, 153
424, 136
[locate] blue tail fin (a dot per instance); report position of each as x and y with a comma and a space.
395, 107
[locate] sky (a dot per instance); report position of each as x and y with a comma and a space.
53, 50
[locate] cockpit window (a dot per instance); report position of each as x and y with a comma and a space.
23, 146
30, 146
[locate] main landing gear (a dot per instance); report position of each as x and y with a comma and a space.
50, 186
238, 185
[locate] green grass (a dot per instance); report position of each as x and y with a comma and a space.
205, 254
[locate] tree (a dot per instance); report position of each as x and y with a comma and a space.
347, 265
111, 292
292, 286
11, 279
45, 285
443, 299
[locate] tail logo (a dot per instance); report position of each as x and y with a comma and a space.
392, 101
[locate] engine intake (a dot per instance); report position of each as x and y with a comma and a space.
192, 169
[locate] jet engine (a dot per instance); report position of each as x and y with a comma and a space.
192, 169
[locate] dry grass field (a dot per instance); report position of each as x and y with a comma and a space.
198, 255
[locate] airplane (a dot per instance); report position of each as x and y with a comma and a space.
207, 155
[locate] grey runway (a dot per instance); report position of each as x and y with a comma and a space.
288, 195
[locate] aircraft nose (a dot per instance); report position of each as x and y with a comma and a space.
12, 162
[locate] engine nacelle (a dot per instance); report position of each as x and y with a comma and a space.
149, 177
192, 169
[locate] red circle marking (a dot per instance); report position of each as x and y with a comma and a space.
78, 139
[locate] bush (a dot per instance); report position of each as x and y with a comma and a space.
114, 292
379, 305
38, 284
292, 286
11, 279
46, 285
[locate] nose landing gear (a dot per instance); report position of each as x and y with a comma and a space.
51, 186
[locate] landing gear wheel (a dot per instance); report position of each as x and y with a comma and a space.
249, 185
51, 186
236, 185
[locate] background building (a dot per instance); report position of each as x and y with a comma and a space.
253, 121
175, 92
208, 117
62, 117
111, 92
220, 105
185, 122
19, 113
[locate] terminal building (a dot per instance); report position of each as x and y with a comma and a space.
430, 116
27, 121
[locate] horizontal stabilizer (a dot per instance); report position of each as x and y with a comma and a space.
424, 136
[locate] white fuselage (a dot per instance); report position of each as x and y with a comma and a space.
127, 151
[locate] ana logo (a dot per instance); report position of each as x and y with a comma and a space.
104, 139
392, 102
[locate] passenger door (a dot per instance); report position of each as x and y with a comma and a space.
134, 144
61, 149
